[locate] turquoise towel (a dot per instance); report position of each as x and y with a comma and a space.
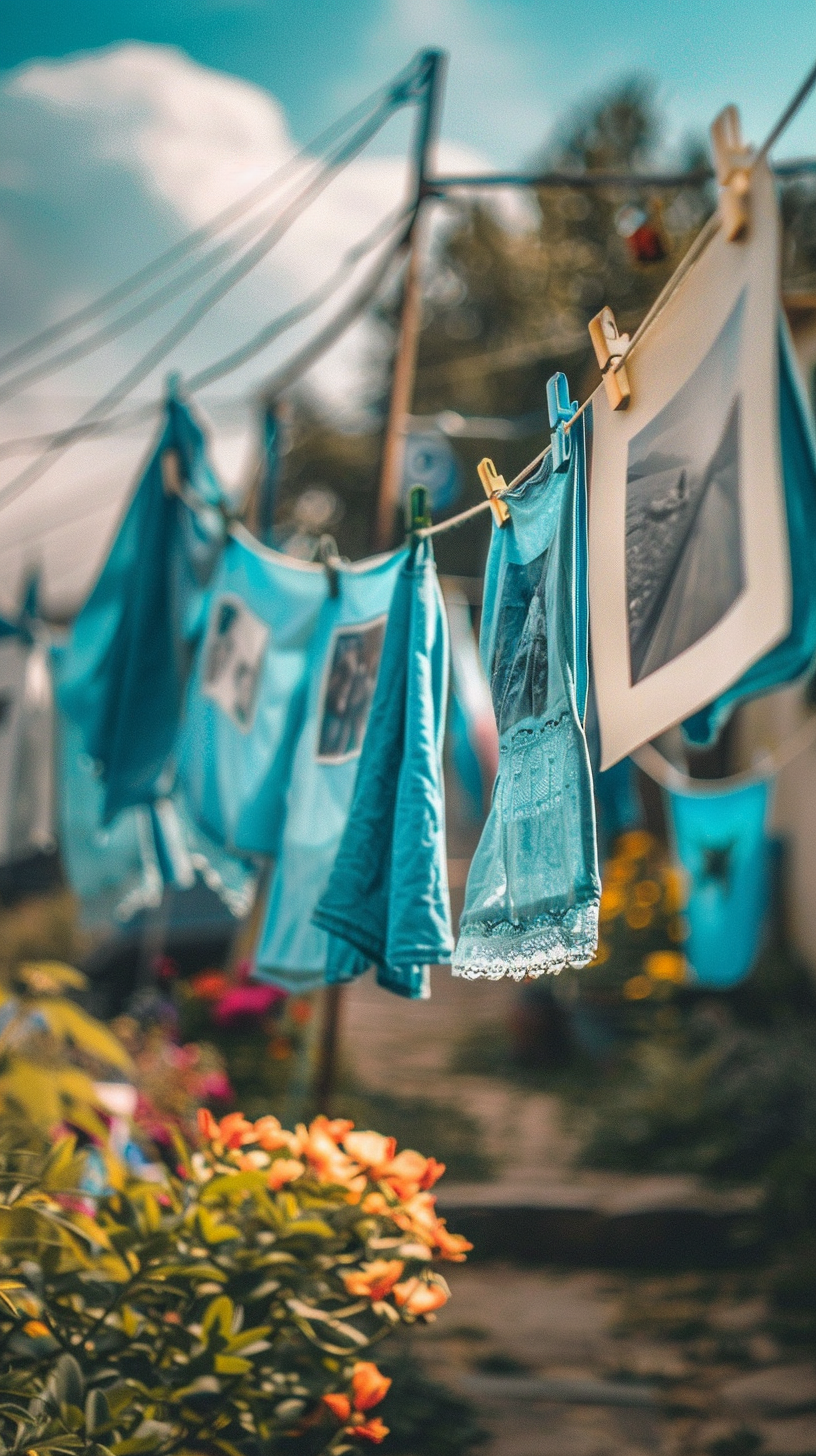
123, 677
792, 657
531, 903
722, 844
387, 897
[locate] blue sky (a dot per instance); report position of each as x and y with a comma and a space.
515, 64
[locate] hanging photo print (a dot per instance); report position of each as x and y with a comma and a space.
689, 577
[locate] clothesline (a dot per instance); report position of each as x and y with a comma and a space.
651, 762
704, 237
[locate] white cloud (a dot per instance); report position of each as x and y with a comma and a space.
108, 159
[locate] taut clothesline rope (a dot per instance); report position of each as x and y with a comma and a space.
658, 768
699, 245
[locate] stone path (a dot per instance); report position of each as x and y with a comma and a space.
721, 1385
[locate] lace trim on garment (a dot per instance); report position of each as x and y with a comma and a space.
544, 946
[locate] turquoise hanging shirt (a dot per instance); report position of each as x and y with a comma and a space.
247, 695
124, 673
532, 896
344, 663
387, 900
722, 844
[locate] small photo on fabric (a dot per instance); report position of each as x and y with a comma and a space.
353, 661
233, 656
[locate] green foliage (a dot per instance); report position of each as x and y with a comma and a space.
51, 1051
211, 1313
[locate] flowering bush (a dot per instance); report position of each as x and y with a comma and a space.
229, 1310
639, 955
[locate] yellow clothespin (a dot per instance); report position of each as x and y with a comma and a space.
732, 163
609, 346
492, 483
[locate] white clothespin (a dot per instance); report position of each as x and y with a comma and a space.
732, 163
172, 480
610, 346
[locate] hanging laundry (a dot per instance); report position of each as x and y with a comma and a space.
722, 844
124, 674
112, 868
473, 736
793, 657
247, 694
387, 899
26, 736
531, 903
344, 662
430, 461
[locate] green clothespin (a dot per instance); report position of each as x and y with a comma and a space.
419, 514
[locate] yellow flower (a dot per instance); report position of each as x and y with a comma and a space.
638, 917
675, 889
647, 892
612, 902
666, 965
35, 1329
635, 844
637, 988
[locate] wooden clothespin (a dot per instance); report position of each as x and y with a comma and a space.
561, 410
732, 163
493, 483
610, 346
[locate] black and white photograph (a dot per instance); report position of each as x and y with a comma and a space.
684, 557
233, 657
689, 561
351, 676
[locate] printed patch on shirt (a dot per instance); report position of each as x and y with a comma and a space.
233, 656
352, 664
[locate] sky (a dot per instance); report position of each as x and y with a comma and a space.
124, 126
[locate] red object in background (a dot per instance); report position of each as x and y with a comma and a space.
646, 244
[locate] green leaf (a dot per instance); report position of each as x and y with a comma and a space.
67, 1382
219, 1312
97, 1411
231, 1365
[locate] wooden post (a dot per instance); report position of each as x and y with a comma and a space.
388, 495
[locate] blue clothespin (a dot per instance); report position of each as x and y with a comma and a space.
561, 410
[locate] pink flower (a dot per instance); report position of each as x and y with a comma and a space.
243, 1003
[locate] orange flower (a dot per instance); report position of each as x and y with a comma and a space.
452, 1247
251, 1161
339, 1405
207, 1125
284, 1170
235, 1130
368, 1385
372, 1431
375, 1280
370, 1149
409, 1173
271, 1136
35, 1329
375, 1203
320, 1149
416, 1297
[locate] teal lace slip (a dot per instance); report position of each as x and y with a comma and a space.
531, 903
